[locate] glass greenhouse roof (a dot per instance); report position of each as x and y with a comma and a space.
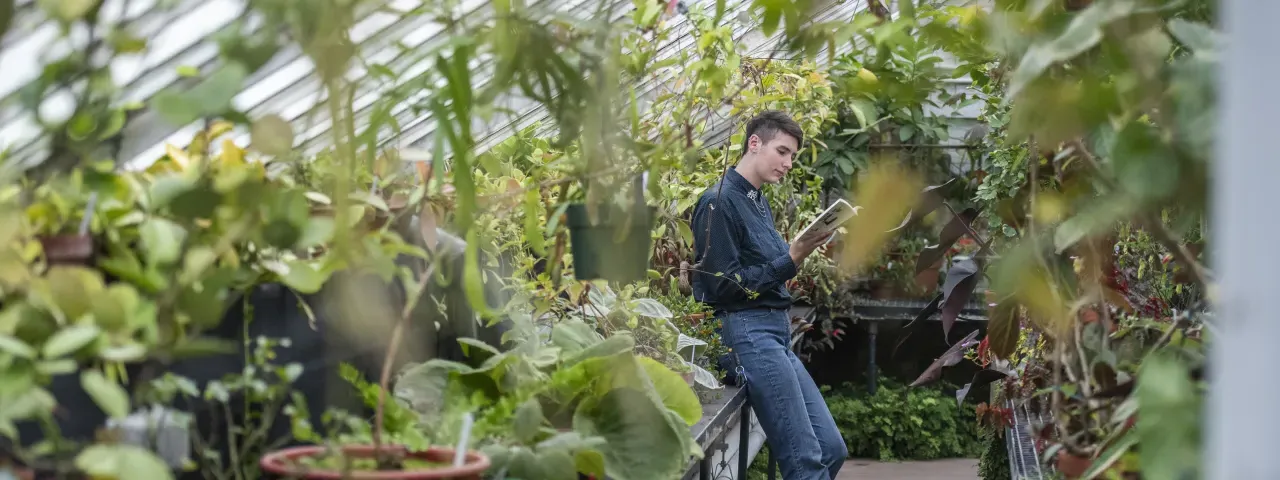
182, 37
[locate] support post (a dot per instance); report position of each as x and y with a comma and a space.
873, 327
773, 467
1242, 415
744, 441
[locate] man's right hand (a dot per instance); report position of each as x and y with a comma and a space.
806, 244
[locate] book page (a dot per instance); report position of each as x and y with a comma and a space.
831, 219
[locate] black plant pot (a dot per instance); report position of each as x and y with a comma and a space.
616, 248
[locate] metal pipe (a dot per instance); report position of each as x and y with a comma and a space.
1242, 417
924, 145
773, 466
744, 439
872, 329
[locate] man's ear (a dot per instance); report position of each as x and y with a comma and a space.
754, 143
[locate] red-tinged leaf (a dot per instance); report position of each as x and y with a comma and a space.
997, 371
962, 278
930, 200
956, 228
924, 313
1003, 329
951, 357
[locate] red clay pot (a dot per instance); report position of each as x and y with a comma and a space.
695, 318
283, 464
67, 249
1072, 466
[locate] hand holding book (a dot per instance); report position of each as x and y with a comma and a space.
820, 231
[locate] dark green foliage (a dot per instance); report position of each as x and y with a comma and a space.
993, 462
902, 423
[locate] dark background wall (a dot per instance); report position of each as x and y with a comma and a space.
847, 362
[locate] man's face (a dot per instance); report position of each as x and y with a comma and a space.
774, 158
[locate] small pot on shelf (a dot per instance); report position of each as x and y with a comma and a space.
1071, 465
436, 464
695, 318
67, 249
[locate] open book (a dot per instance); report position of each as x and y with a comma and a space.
831, 219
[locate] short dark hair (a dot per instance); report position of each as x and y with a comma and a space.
768, 124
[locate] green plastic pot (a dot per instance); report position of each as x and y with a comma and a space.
616, 248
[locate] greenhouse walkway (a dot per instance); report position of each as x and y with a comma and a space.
953, 469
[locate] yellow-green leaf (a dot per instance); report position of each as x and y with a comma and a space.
70, 340
16, 347
472, 277
109, 396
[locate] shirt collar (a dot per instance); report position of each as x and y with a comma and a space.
740, 182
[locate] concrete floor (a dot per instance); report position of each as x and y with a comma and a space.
954, 469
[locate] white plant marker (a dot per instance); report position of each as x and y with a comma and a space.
460, 453
88, 213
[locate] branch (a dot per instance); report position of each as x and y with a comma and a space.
411, 298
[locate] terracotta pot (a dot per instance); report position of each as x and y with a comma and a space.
882, 292
695, 318
284, 464
68, 249
373, 218
1072, 466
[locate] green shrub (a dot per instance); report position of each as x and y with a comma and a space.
993, 463
903, 423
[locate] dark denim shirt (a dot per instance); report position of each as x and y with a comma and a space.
745, 248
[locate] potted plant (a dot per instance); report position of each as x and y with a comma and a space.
358, 462
378, 460
611, 243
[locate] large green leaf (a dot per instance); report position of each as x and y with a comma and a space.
640, 443
109, 396
613, 345
528, 420
70, 340
71, 289
161, 240
304, 277
121, 461
472, 276
650, 308
573, 336
16, 347
211, 96
1144, 164
1083, 33
673, 390
1199, 37
1168, 419
1097, 218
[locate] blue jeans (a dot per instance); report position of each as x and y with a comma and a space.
801, 433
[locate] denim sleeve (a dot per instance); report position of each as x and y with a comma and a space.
720, 267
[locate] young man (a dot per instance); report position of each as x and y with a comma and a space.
743, 277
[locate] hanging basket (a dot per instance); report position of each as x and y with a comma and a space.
616, 248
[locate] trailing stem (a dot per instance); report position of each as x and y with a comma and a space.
411, 301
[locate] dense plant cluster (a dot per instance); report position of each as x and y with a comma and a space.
1076, 209
900, 423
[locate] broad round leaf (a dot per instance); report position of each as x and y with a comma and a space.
673, 391
640, 442
272, 135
